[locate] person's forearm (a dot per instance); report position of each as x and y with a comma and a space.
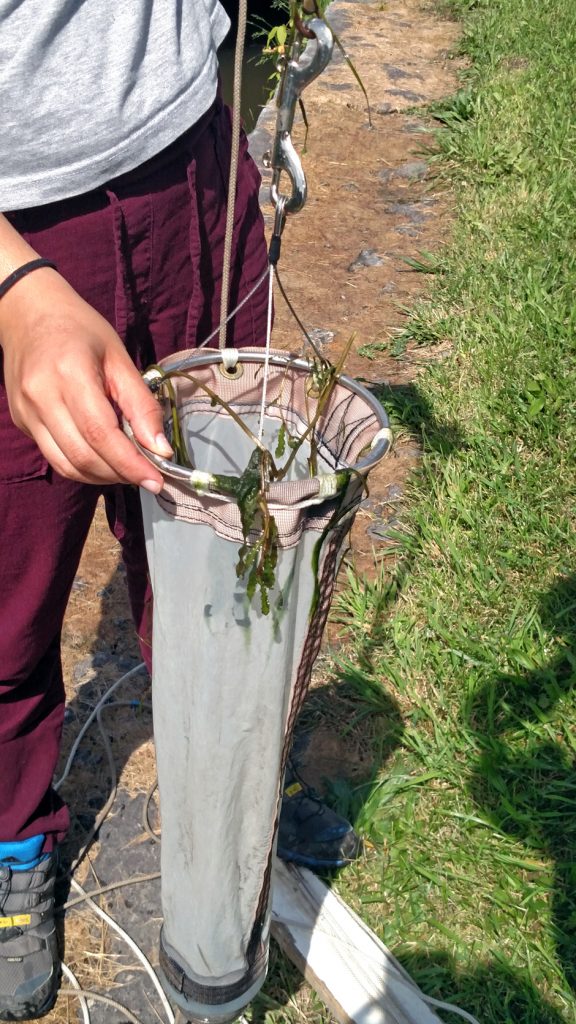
65, 368
14, 250
14, 253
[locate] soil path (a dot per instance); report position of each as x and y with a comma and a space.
372, 203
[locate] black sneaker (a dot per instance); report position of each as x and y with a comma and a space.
29, 958
309, 832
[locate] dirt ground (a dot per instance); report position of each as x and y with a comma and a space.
372, 203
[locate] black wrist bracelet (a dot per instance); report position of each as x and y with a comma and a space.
21, 272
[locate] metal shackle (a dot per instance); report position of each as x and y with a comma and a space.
297, 75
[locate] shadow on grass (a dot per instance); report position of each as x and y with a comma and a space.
504, 995
409, 409
347, 732
525, 779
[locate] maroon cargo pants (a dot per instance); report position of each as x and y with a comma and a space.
146, 251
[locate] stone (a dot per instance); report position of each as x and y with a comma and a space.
412, 170
127, 662
320, 336
407, 230
412, 212
414, 127
381, 531
366, 258
395, 74
407, 94
393, 493
82, 669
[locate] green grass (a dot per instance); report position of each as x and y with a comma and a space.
470, 649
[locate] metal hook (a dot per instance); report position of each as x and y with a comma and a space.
297, 74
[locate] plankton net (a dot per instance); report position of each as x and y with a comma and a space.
231, 667
271, 458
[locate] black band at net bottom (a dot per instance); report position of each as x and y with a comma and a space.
210, 995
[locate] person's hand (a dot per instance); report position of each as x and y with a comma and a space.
63, 366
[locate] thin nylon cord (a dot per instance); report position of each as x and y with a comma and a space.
236, 309
77, 900
267, 354
235, 148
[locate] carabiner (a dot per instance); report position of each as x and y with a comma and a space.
299, 70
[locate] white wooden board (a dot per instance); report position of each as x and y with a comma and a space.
352, 971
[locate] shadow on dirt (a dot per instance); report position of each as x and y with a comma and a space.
525, 779
409, 410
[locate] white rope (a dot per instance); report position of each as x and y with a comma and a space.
267, 353
133, 946
76, 984
82, 993
90, 719
450, 1008
229, 358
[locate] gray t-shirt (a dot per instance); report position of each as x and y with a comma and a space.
90, 89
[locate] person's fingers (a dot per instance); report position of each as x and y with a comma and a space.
138, 405
87, 466
85, 429
97, 473
62, 373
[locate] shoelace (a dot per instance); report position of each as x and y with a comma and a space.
305, 791
5, 885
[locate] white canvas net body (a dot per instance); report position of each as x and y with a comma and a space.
229, 680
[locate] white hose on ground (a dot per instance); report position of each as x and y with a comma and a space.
68, 973
133, 946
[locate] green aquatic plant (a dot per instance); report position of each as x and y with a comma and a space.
257, 558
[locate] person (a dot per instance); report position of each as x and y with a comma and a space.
113, 177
